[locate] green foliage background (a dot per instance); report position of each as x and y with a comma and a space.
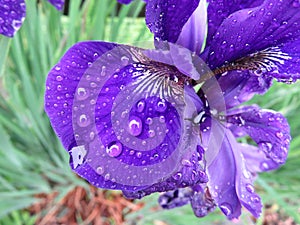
31, 158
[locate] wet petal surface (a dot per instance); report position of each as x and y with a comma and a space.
218, 11
238, 87
176, 198
229, 180
166, 19
12, 16
192, 172
256, 160
58, 4
267, 128
194, 31
122, 122
253, 30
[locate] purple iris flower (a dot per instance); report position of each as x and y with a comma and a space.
127, 1
13, 12
131, 119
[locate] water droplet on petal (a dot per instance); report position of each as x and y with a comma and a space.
149, 121
57, 68
100, 170
255, 199
131, 152
59, 78
114, 149
106, 177
124, 60
250, 188
279, 134
186, 162
264, 166
83, 121
141, 106
226, 208
82, 93
151, 133
246, 174
161, 106
162, 119
265, 146
92, 135
135, 126
296, 3
139, 155
177, 176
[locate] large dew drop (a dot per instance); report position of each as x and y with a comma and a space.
161, 106
83, 121
114, 149
226, 209
135, 126
140, 106
82, 93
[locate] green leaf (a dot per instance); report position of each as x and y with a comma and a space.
4, 47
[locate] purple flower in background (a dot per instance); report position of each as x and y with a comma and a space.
13, 12
131, 120
127, 1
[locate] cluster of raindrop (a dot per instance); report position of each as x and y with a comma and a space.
145, 140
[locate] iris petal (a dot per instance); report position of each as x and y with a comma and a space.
252, 30
239, 87
222, 172
230, 182
288, 69
200, 200
125, 1
267, 128
166, 19
175, 198
191, 173
256, 160
128, 1
58, 4
62, 83
218, 11
12, 16
123, 120
194, 31
182, 58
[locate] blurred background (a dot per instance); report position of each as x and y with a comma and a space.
36, 183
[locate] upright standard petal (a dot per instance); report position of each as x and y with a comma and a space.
12, 16
194, 31
58, 4
166, 19
256, 38
218, 11
267, 128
